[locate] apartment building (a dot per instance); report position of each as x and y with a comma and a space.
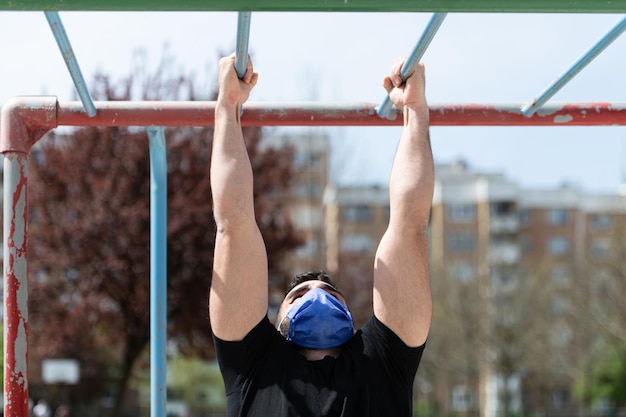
356, 219
517, 245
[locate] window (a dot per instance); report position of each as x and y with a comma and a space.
559, 275
560, 305
461, 242
307, 159
462, 212
307, 189
558, 217
310, 248
603, 283
524, 216
559, 399
502, 280
463, 271
561, 336
558, 245
305, 217
502, 208
357, 214
600, 221
356, 243
600, 248
498, 240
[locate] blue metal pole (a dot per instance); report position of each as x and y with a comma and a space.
158, 270
581, 63
243, 36
414, 58
54, 20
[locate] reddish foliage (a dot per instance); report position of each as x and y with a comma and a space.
89, 261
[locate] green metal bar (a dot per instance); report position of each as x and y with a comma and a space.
483, 6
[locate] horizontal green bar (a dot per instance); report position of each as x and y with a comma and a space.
486, 6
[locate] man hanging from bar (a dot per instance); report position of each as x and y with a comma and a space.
313, 362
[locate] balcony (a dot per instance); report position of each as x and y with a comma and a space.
504, 224
504, 253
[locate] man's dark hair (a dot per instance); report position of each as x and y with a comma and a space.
317, 274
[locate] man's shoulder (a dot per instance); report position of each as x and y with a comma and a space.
263, 330
377, 332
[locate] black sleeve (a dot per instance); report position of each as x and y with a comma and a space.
398, 360
236, 359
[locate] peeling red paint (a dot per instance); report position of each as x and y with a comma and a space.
337, 114
23, 122
16, 314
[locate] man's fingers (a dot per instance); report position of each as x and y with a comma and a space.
388, 84
249, 71
253, 79
396, 69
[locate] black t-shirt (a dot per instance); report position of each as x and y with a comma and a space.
265, 376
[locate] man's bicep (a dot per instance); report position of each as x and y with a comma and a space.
402, 298
238, 297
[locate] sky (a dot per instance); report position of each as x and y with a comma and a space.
343, 57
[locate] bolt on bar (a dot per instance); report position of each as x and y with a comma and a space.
158, 271
54, 20
414, 57
243, 37
485, 6
581, 63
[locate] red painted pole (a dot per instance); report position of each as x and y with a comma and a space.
15, 291
22, 123
337, 114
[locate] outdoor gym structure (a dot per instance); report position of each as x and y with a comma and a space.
25, 120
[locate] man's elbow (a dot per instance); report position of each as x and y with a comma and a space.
413, 216
235, 225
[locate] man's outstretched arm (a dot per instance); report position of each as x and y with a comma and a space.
402, 298
238, 296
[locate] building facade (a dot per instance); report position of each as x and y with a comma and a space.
513, 270
535, 258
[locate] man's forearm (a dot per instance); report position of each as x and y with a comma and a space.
231, 172
412, 175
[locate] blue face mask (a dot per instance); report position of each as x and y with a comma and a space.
319, 321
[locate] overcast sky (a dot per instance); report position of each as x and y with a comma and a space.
474, 58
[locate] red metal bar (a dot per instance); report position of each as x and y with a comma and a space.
573, 114
15, 292
22, 123
337, 114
